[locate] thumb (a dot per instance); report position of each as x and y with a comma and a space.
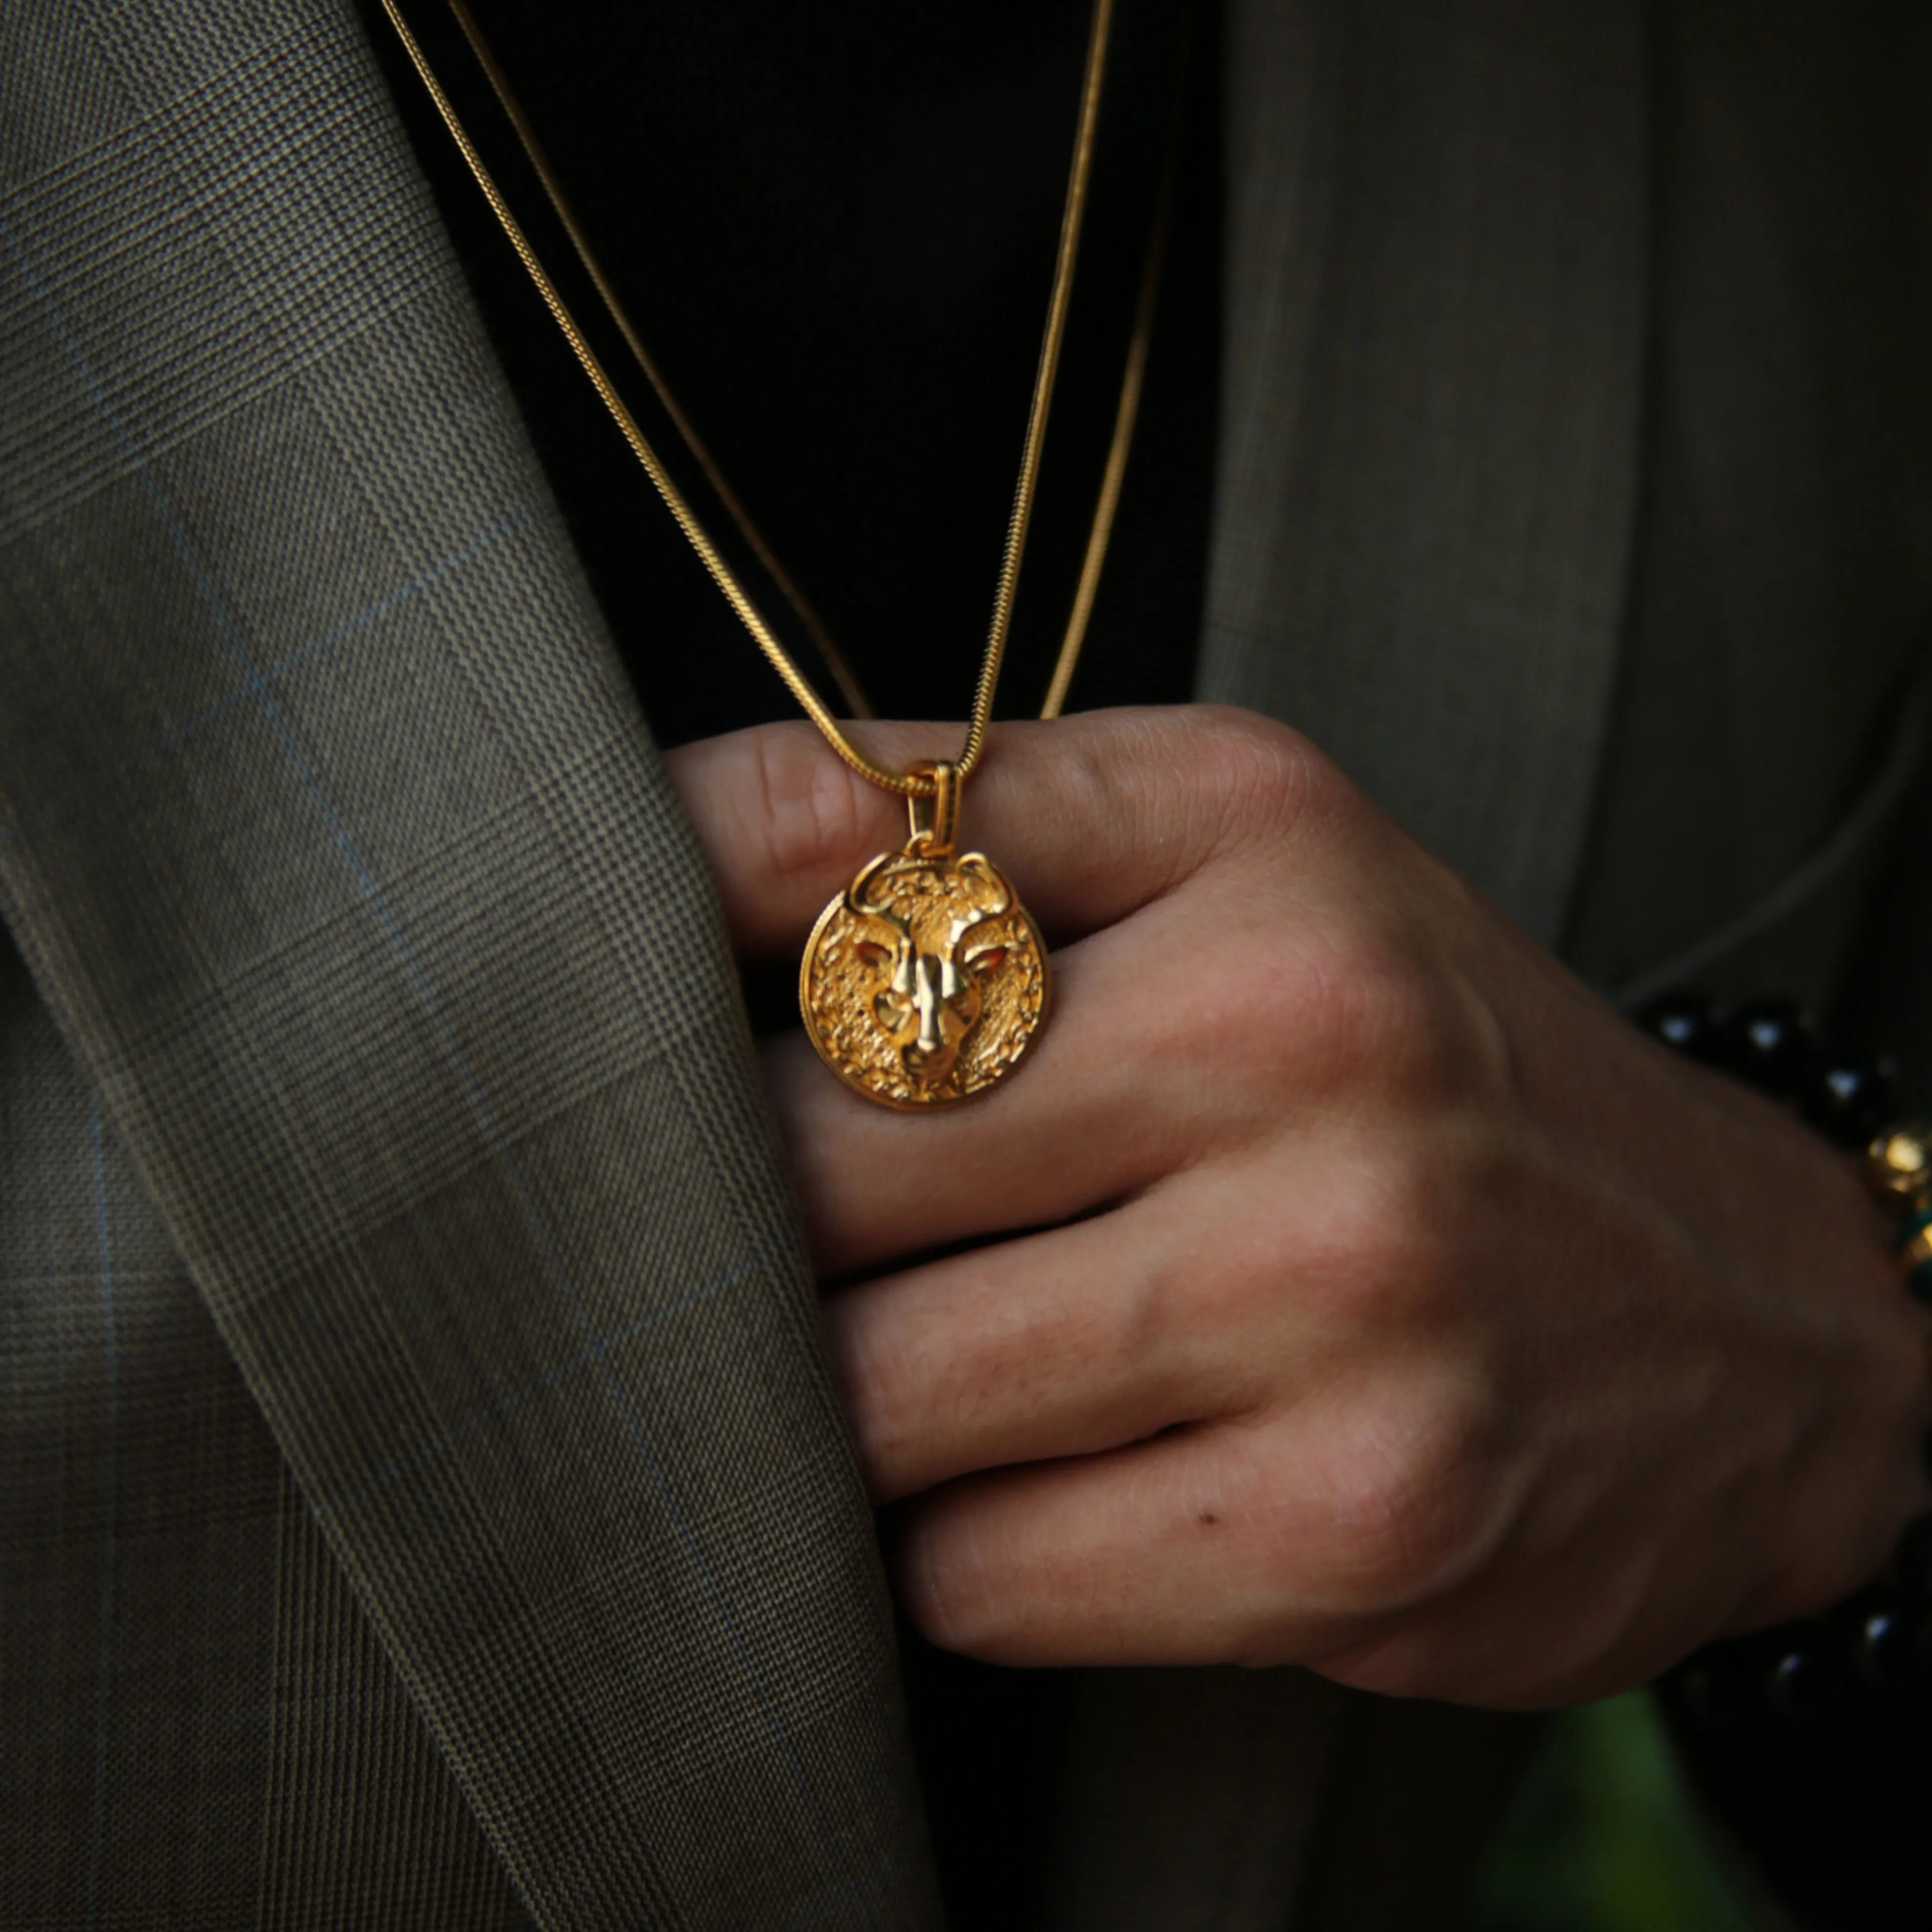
1090, 816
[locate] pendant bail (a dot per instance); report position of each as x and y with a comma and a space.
935, 820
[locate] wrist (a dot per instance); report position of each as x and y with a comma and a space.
1876, 1642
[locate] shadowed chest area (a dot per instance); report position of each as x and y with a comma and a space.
835, 229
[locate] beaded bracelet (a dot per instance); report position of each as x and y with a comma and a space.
1878, 1642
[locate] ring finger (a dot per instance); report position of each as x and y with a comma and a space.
1063, 1343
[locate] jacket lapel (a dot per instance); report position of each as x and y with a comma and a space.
334, 840
1431, 400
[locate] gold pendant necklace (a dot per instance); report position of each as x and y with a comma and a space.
925, 981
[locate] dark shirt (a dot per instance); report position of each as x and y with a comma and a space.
836, 229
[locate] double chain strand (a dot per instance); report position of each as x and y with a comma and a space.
918, 783
849, 687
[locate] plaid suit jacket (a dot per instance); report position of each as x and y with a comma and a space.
422, 1501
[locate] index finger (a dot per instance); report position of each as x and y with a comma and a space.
1091, 816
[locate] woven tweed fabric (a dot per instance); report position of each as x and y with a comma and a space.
1432, 405
1762, 730
334, 844
199, 1727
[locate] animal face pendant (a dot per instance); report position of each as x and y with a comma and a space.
925, 980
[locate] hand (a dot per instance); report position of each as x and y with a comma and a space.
1367, 1295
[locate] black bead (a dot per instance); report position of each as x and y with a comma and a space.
1849, 1100
1686, 1023
1889, 1647
1768, 1043
1799, 1686
1911, 1561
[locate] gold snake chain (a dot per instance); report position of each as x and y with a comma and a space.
917, 784
849, 688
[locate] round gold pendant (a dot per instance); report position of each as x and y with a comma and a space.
924, 981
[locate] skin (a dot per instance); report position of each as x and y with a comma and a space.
1358, 1290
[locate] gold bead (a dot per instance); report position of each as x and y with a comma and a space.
1899, 1162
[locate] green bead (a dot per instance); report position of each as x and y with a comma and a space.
1915, 1222
1915, 1243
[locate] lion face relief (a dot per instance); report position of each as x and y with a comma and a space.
924, 980
931, 997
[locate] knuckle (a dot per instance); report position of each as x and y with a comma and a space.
1262, 776
1380, 1014
1403, 1243
1393, 1257
1405, 1496
1379, 1010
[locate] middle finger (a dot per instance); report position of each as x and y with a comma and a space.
1117, 1092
